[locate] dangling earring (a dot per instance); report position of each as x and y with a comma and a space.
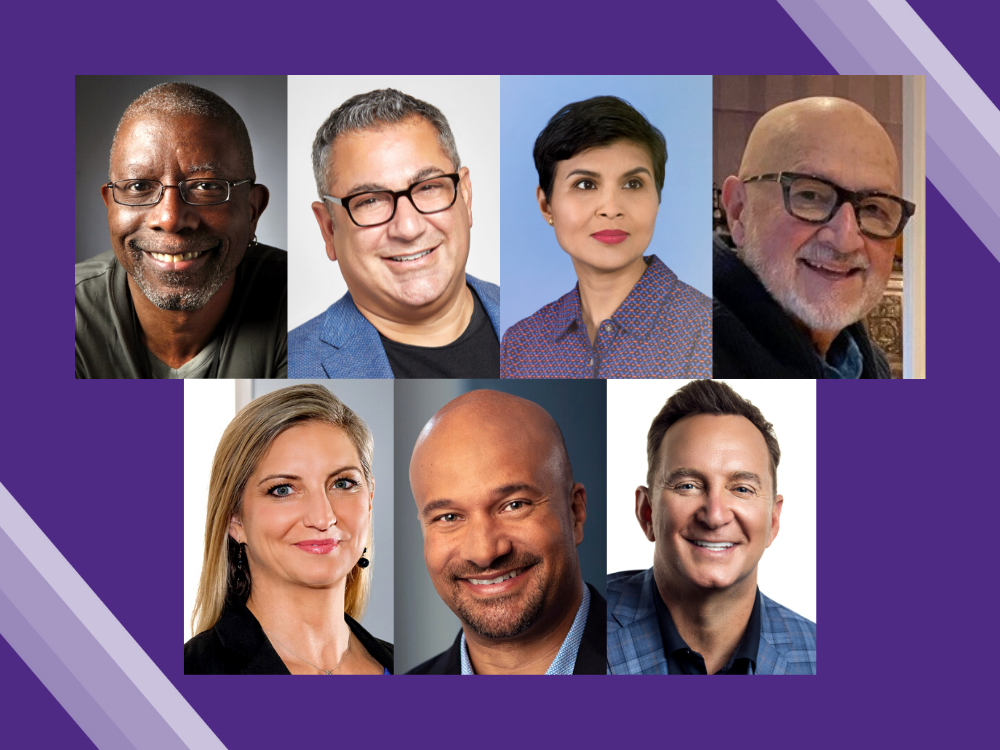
253, 242
239, 560
364, 561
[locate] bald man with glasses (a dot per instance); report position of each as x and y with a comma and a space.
813, 214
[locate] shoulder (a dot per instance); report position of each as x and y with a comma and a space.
381, 651
489, 293
265, 255
625, 592
783, 620
683, 297
791, 635
90, 272
205, 654
540, 322
447, 662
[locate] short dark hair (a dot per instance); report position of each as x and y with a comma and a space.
708, 397
599, 121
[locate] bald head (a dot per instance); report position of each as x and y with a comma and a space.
499, 420
819, 130
175, 100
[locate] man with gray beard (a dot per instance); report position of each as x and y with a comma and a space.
813, 214
186, 291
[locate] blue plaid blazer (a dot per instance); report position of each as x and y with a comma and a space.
341, 343
787, 641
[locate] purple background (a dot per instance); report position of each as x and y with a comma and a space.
906, 616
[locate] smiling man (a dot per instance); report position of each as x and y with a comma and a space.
501, 518
711, 507
395, 212
186, 292
814, 214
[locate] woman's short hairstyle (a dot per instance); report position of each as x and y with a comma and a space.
599, 121
244, 444
708, 397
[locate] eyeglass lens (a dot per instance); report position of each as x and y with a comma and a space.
816, 202
429, 196
195, 192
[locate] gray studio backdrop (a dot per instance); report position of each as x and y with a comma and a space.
372, 401
100, 101
424, 625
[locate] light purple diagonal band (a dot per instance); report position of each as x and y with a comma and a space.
82, 654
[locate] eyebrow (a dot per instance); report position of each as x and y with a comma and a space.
736, 476
377, 187
296, 477
589, 173
209, 166
497, 492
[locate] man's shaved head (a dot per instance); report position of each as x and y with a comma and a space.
177, 99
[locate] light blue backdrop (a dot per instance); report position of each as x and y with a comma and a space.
535, 270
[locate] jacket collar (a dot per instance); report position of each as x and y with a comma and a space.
632, 624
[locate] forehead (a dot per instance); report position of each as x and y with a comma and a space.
714, 444
388, 156
164, 143
611, 159
313, 446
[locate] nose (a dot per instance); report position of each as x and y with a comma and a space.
843, 232
318, 512
715, 512
610, 206
408, 223
172, 214
484, 542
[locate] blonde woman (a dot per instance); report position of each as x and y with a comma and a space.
288, 543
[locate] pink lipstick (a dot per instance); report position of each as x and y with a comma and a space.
610, 236
318, 546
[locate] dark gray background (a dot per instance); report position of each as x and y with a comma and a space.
100, 101
424, 624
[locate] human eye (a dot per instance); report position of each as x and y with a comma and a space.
344, 484
633, 184
686, 488
516, 505
280, 490
137, 186
585, 184
445, 518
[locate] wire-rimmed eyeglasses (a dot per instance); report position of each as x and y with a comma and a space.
196, 192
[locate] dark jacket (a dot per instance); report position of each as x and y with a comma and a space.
238, 645
590, 659
753, 337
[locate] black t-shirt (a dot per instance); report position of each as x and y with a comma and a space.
474, 354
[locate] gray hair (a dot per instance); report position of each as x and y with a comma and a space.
369, 111
177, 99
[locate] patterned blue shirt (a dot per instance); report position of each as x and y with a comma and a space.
663, 329
565, 660
844, 359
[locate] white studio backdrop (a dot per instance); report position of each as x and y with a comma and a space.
787, 571
468, 102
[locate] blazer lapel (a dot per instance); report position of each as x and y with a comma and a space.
592, 656
354, 348
635, 647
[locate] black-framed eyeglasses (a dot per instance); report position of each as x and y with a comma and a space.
371, 208
816, 200
196, 192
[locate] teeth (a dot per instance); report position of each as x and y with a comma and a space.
714, 545
408, 258
176, 258
498, 579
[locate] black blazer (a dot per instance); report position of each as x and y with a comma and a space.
237, 645
592, 658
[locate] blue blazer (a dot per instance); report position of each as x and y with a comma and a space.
787, 640
341, 343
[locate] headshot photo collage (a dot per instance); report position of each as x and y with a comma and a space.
389, 471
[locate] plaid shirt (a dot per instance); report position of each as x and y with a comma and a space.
663, 329
787, 641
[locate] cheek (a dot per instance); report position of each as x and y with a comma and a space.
881, 255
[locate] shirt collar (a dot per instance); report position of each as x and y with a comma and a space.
843, 360
747, 648
565, 660
635, 314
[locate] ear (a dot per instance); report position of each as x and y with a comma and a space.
465, 186
259, 198
325, 222
106, 196
543, 205
644, 512
775, 519
236, 529
734, 197
578, 508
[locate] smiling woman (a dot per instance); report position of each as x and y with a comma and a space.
288, 542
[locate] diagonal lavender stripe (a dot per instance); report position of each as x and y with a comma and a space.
180, 724
66, 689
964, 198
828, 39
871, 37
91, 667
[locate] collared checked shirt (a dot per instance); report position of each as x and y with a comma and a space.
663, 329
565, 660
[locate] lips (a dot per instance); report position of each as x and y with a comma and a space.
318, 546
493, 581
712, 547
489, 585
829, 270
411, 257
610, 236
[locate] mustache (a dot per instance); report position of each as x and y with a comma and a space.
189, 245
816, 252
510, 561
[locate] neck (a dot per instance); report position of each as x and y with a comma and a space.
437, 324
710, 622
175, 337
533, 651
822, 340
602, 292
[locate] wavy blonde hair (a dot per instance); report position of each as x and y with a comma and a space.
245, 442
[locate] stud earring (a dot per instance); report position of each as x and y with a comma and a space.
550, 222
364, 561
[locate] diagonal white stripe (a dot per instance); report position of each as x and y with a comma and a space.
940, 63
102, 624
